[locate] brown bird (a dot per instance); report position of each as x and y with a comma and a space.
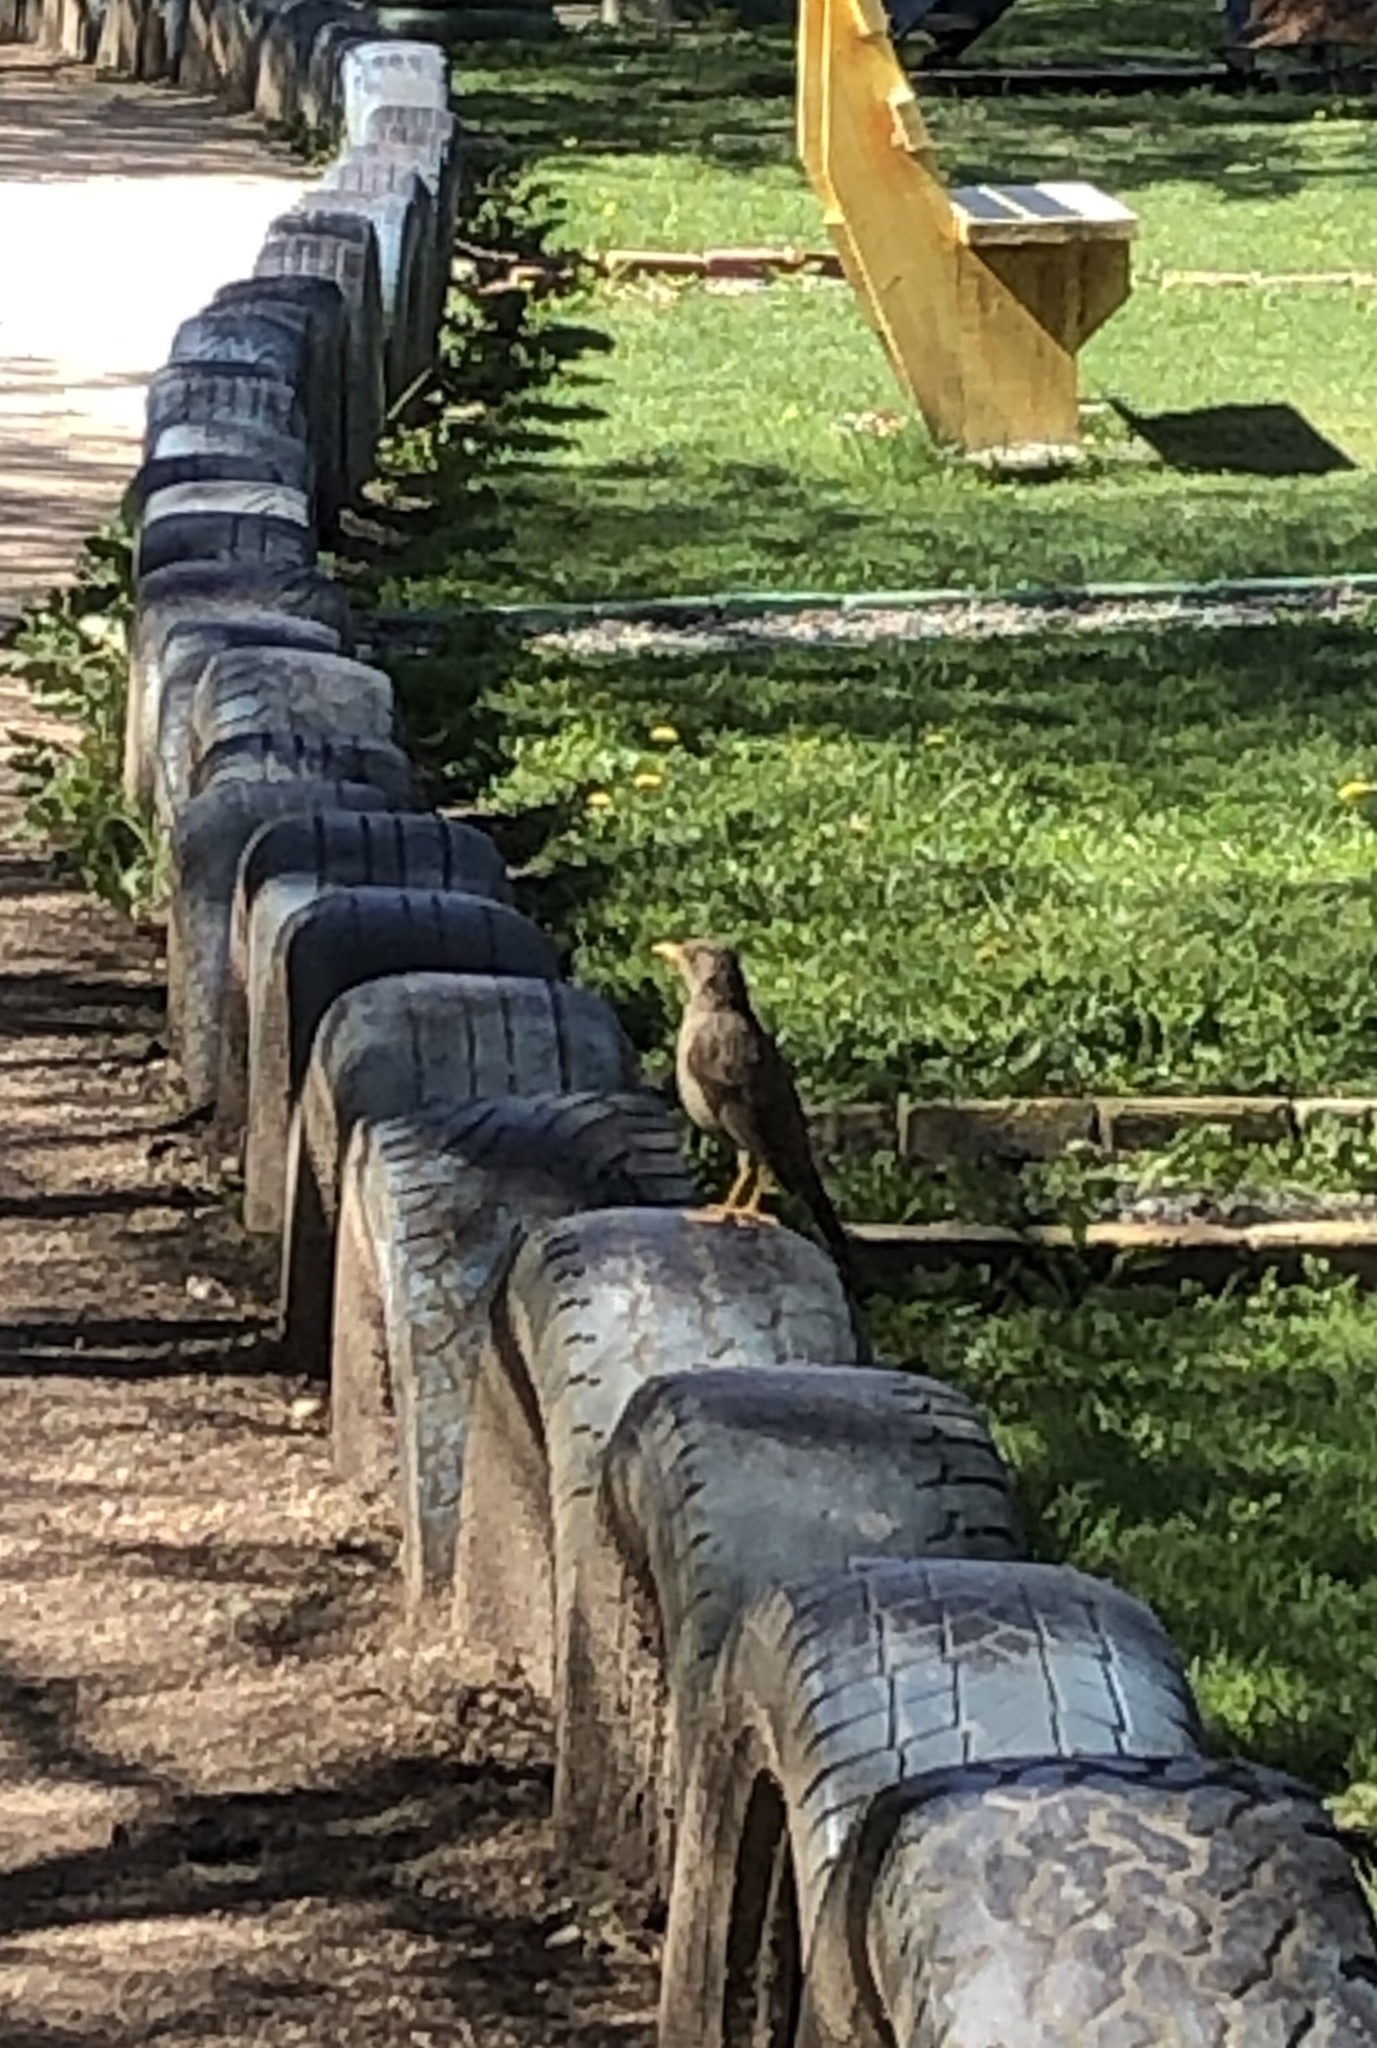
735, 1083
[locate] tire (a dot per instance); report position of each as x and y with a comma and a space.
400, 222
189, 393
385, 73
229, 334
335, 943
292, 756
425, 139
832, 1691
313, 306
188, 648
854, 1464
1236, 1915
274, 459
207, 838
321, 92
288, 865
593, 1308
370, 176
224, 521
209, 592
431, 1210
391, 1047
315, 241
242, 694
284, 55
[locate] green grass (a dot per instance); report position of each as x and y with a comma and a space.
1218, 1457
1072, 864
1331, 1166
694, 441
1067, 865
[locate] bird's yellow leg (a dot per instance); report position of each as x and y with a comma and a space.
742, 1197
763, 1184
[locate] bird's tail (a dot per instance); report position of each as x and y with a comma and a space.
830, 1229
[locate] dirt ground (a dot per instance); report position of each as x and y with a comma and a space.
238, 1801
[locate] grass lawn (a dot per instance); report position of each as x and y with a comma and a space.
1077, 863
1062, 865
692, 441
1216, 1456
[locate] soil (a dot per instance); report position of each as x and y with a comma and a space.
239, 1799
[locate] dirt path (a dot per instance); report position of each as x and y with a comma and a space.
237, 1802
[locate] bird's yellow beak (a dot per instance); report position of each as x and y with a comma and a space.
668, 949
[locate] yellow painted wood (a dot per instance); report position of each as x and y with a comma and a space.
981, 318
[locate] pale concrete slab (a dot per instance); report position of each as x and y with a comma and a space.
121, 209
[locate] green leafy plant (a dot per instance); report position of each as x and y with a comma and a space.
72, 654
1217, 1455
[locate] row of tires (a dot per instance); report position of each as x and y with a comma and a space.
891, 1781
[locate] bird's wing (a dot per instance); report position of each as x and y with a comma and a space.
723, 1058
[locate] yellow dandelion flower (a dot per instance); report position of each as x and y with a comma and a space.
1354, 792
936, 737
664, 735
600, 800
647, 779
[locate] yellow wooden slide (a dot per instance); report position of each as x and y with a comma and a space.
982, 296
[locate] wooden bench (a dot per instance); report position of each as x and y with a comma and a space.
982, 297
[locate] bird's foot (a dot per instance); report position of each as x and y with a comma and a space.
723, 1212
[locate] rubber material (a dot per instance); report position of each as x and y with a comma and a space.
1104, 1904
288, 864
431, 1211
832, 1691
208, 591
207, 838
339, 941
856, 1464
418, 1041
189, 646
594, 1307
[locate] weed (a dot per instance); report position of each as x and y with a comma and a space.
72, 653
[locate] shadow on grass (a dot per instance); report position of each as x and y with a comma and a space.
1239, 440
1214, 1456
727, 98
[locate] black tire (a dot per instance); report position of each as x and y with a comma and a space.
315, 241
209, 592
385, 73
321, 90
859, 1464
399, 221
285, 54
271, 459
313, 306
207, 838
182, 393
365, 177
593, 1308
423, 138
337, 942
235, 334
224, 521
1185, 1901
189, 647
294, 756
289, 864
831, 1692
243, 692
432, 1209
422, 1041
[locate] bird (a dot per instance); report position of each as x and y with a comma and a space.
735, 1083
